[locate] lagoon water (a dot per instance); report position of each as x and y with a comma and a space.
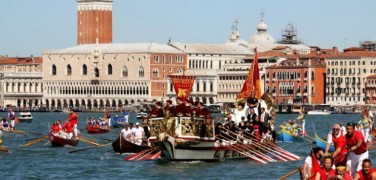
41, 161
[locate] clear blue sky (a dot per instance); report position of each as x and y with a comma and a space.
28, 26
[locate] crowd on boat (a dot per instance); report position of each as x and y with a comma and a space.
101, 123
350, 159
295, 127
67, 129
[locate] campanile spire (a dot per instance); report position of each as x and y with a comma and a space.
94, 21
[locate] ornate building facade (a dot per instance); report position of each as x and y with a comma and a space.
108, 75
21, 82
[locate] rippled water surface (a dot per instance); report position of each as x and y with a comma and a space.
41, 161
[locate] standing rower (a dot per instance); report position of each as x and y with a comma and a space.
11, 118
73, 119
355, 143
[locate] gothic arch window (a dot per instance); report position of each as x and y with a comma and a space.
84, 69
69, 69
53, 70
96, 72
109, 69
125, 72
141, 72
155, 73
179, 70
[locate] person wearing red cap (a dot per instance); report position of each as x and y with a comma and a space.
157, 111
169, 107
181, 108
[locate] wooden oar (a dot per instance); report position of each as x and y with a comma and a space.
371, 148
245, 147
290, 173
4, 149
89, 141
144, 155
276, 148
246, 154
78, 150
263, 147
36, 141
24, 132
132, 157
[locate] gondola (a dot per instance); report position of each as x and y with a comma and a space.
93, 130
322, 143
59, 142
125, 146
286, 136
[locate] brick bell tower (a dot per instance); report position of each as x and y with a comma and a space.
94, 21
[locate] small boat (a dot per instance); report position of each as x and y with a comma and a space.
59, 141
92, 130
124, 146
119, 121
286, 136
142, 115
319, 112
25, 117
322, 143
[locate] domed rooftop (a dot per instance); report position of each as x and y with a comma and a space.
262, 26
262, 37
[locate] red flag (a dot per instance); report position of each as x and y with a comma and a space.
252, 82
315, 165
183, 85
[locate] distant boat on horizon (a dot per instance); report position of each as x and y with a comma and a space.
319, 112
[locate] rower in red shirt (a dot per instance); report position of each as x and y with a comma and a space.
339, 140
326, 171
55, 128
68, 128
355, 142
73, 118
367, 172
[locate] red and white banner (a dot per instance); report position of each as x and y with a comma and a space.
183, 85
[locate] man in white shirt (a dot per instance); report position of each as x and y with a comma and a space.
138, 134
126, 132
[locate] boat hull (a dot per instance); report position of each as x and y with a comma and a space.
195, 151
322, 143
124, 146
285, 136
59, 142
117, 124
25, 120
93, 130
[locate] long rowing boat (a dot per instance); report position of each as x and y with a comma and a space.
285, 136
92, 130
322, 143
57, 141
124, 146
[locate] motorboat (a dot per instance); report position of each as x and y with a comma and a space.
319, 112
142, 115
25, 117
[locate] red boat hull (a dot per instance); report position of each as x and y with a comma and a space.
59, 142
93, 130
